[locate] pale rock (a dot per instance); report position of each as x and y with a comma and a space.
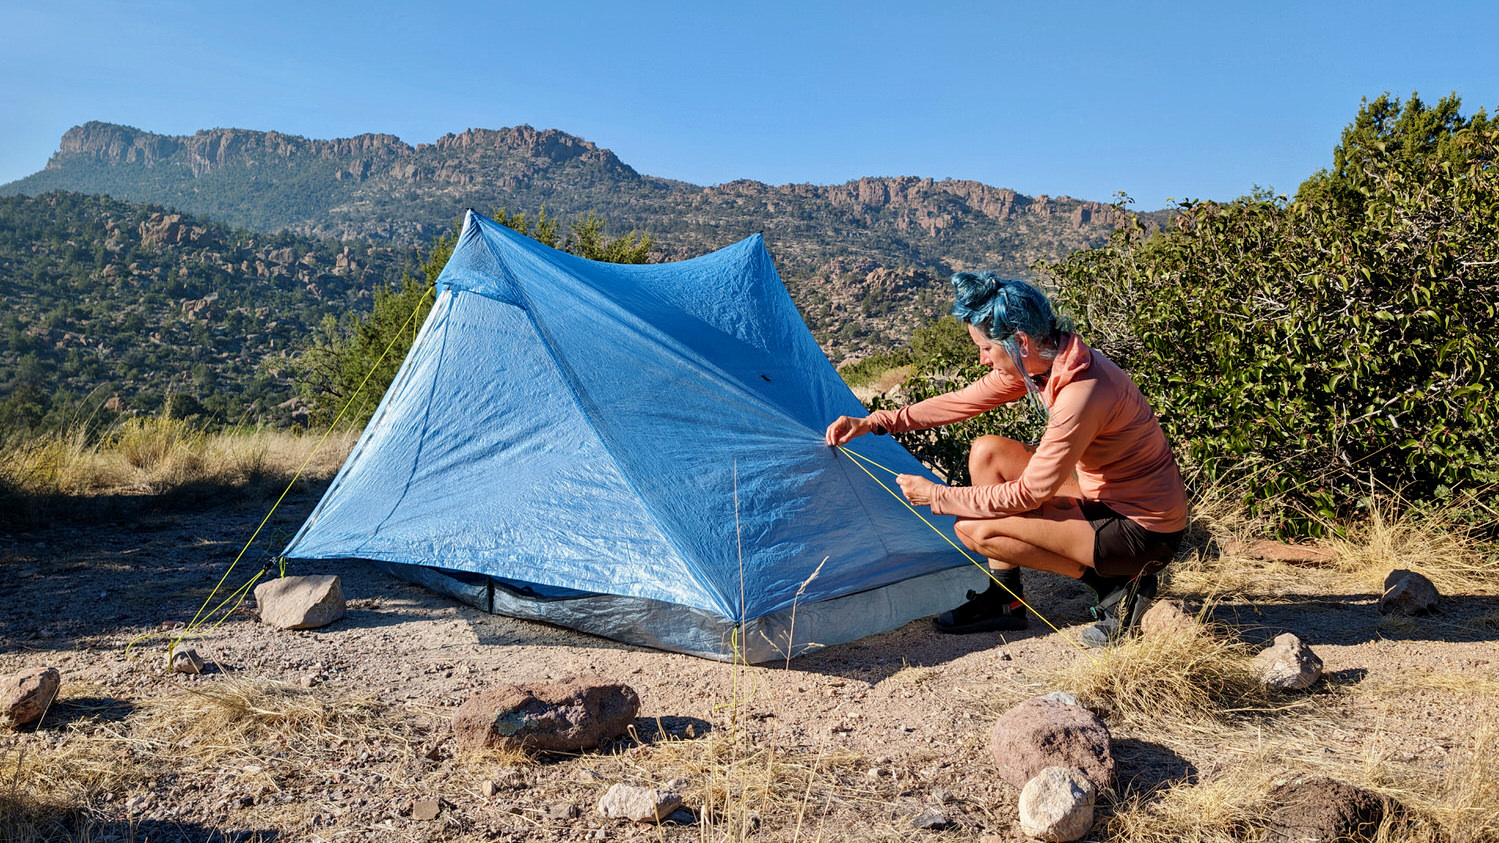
25, 696
640, 804
1063, 697
1288, 664
1408, 593
187, 660
1057, 805
426, 809
301, 602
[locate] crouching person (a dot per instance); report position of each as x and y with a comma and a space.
1099, 498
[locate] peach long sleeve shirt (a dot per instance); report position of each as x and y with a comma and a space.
1101, 428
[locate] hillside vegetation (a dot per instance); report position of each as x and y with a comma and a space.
130, 305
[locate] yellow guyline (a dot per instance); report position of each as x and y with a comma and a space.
985, 568
238, 595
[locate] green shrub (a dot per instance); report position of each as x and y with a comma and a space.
1327, 346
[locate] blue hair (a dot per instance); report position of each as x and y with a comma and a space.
1001, 306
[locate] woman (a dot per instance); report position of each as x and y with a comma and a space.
1099, 499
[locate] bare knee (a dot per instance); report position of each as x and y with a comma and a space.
995, 459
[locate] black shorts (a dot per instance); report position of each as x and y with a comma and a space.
1123, 548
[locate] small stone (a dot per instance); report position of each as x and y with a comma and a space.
570, 715
301, 602
26, 696
1063, 697
641, 804
426, 809
1057, 805
1166, 617
1408, 593
1319, 808
932, 819
187, 661
941, 796
1288, 664
1041, 733
488, 788
562, 811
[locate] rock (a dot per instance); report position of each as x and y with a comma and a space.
1315, 808
1041, 733
562, 811
932, 819
1057, 805
488, 788
301, 602
1063, 697
570, 715
1288, 664
187, 661
1166, 617
641, 804
426, 809
25, 696
1407, 593
1267, 550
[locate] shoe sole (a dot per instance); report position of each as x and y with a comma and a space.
1004, 624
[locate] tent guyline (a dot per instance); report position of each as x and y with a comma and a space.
985, 568
204, 614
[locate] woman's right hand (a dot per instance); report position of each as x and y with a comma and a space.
846, 428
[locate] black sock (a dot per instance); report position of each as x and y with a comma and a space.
1009, 578
1100, 584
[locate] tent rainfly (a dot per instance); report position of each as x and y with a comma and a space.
635, 451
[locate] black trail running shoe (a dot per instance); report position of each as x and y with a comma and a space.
992, 611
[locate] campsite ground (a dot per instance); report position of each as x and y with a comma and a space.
334, 734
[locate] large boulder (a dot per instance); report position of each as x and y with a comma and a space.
570, 715
301, 602
1408, 593
1288, 664
1057, 805
1314, 808
1041, 733
25, 696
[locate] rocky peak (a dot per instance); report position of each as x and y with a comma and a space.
550, 144
114, 144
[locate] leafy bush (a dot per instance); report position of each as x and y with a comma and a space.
1320, 347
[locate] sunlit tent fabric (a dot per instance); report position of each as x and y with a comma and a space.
635, 451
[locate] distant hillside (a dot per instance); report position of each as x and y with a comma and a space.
864, 260
133, 303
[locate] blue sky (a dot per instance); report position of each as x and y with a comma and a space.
1160, 100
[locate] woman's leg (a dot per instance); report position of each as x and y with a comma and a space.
1056, 537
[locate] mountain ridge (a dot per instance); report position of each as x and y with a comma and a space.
841, 249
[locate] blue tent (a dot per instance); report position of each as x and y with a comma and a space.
634, 451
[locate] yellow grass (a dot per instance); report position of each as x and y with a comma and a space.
155, 455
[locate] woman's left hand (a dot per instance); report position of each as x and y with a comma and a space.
918, 490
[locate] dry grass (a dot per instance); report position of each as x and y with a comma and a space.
156, 455
1434, 542
56, 783
1196, 677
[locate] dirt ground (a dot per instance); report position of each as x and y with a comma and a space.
871, 734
